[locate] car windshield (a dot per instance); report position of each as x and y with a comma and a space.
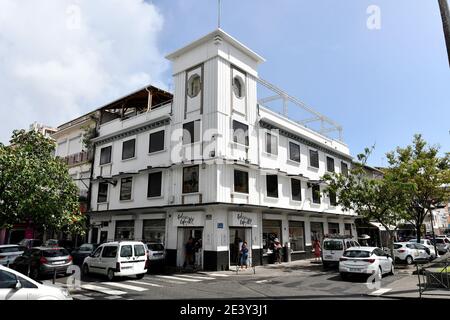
397, 246
53, 253
333, 245
356, 254
9, 249
86, 247
155, 247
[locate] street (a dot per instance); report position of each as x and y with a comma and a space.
297, 280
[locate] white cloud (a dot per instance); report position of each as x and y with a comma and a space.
62, 58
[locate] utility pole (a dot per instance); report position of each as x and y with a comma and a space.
445, 14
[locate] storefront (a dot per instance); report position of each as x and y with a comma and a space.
242, 229
124, 230
154, 230
190, 227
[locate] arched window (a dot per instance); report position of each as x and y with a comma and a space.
238, 87
194, 86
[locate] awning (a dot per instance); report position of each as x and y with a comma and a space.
380, 226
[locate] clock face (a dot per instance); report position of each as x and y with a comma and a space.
194, 86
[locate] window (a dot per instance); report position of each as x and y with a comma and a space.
128, 149
53, 253
105, 155
238, 87
139, 251
296, 190
333, 228
272, 186
330, 164
294, 152
97, 252
297, 235
126, 251
316, 193
154, 184
344, 168
26, 284
240, 181
333, 245
190, 179
191, 132
109, 252
332, 195
271, 231
240, 133
194, 85
156, 141
125, 230
102, 192
125, 188
8, 280
314, 158
356, 254
271, 144
154, 230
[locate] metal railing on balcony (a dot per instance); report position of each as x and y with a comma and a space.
77, 158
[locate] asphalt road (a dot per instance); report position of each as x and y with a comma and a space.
286, 281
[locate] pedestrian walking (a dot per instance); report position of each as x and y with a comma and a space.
244, 255
317, 249
277, 250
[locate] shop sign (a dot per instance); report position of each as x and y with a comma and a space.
243, 219
187, 219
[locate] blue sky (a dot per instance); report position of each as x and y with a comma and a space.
64, 58
382, 86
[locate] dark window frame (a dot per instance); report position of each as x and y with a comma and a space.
333, 198
130, 181
134, 149
271, 143
245, 188
194, 136
158, 144
103, 194
149, 188
237, 125
184, 186
102, 157
272, 193
344, 165
311, 158
299, 197
316, 194
329, 167
291, 144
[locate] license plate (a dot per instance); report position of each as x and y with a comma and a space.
58, 262
354, 270
328, 257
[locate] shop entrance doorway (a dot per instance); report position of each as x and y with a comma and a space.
190, 248
237, 238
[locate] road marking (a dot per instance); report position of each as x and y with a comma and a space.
145, 283
113, 297
195, 277
124, 286
217, 275
81, 297
262, 281
379, 292
178, 278
102, 290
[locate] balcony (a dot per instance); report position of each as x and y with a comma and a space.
77, 158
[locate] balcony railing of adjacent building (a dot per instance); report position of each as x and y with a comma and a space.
78, 158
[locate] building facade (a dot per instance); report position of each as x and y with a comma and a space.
210, 163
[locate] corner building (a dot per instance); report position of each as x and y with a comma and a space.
209, 162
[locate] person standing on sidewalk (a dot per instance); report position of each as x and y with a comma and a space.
244, 255
277, 250
317, 248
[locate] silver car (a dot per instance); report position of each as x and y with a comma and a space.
9, 253
442, 245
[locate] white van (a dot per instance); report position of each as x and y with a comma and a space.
333, 248
117, 259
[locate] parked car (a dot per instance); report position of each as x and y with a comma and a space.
442, 245
410, 252
29, 243
333, 249
9, 253
43, 261
429, 244
82, 252
116, 259
156, 254
16, 286
365, 260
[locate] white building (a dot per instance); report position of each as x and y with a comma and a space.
47, 131
211, 163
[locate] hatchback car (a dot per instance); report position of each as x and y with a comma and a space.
410, 252
16, 286
9, 253
365, 261
155, 253
427, 243
82, 252
442, 245
117, 259
42, 261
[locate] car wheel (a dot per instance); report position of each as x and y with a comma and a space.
140, 276
85, 269
110, 275
409, 260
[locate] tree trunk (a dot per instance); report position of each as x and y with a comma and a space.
391, 235
418, 231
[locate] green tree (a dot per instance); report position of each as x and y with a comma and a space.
427, 174
35, 185
379, 199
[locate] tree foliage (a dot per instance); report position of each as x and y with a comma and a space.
35, 185
427, 174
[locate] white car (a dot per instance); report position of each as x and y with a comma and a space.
410, 252
117, 259
334, 247
16, 286
427, 243
9, 253
365, 260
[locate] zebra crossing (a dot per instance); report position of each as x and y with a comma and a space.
122, 290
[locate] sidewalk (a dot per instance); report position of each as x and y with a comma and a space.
408, 288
